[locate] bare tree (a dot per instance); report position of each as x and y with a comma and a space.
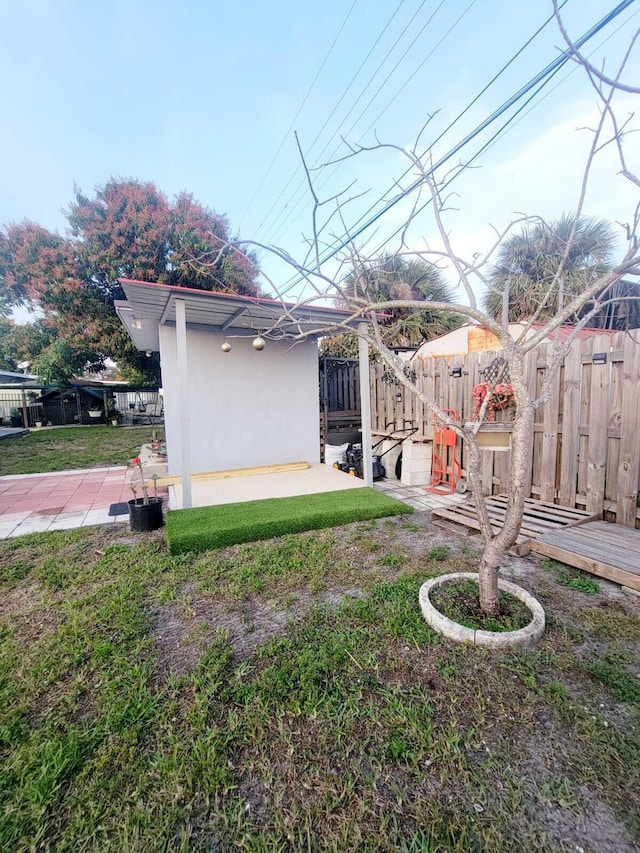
473, 275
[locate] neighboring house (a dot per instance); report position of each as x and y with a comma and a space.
228, 405
8, 377
475, 338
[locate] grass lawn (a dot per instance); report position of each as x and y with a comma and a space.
71, 447
287, 695
204, 528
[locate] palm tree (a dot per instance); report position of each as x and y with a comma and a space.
529, 261
391, 278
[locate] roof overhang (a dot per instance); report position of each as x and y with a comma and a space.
149, 306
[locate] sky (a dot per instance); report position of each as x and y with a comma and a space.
204, 97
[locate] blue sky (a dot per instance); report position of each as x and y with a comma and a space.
200, 95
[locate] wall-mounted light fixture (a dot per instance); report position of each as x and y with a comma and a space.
599, 358
398, 396
457, 372
137, 324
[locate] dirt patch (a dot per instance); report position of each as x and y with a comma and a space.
183, 629
23, 600
597, 830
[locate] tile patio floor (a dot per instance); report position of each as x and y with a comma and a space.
32, 503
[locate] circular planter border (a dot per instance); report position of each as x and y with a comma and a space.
527, 636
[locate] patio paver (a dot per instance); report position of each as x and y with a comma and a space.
31, 503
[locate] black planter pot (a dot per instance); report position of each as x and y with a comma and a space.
144, 517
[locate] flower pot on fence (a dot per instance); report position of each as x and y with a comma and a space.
94, 414
144, 517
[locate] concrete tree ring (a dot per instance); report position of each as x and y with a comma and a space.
526, 637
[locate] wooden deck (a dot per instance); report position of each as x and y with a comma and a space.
611, 551
539, 519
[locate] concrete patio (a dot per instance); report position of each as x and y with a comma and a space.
312, 480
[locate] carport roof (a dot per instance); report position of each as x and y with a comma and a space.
150, 305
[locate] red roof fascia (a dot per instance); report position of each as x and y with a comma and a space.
583, 334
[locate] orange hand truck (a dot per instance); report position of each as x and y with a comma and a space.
445, 466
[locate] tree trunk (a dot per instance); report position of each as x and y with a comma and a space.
488, 578
496, 546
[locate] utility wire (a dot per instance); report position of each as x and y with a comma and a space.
349, 112
445, 131
299, 110
546, 74
508, 125
303, 200
333, 111
460, 114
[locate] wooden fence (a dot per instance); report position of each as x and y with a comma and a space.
586, 443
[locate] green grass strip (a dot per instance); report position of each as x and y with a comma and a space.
204, 528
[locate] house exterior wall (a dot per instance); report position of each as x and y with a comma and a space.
245, 407
467, 339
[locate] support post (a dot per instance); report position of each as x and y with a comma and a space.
183, 399
365, 406
25, 409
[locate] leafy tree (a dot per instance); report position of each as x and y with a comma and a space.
57, 364
20, 343
127, 229
391, 277
528, 263
339, 346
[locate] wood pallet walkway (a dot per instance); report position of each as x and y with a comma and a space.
540, 517
611, 551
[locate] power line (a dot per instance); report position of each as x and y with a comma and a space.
512, 122
381, 87
543, 76
300, 108
333, 111
451, 124
351, 108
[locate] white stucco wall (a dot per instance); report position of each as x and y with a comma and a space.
245, 407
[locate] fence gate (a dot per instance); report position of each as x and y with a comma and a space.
340, 417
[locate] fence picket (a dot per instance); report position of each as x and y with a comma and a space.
629, 456
585, 446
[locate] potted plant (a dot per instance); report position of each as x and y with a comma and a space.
16, 419
145, 513
115, 416
95, 410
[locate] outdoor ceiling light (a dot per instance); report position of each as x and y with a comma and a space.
599, 358
226, 347
258, 343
